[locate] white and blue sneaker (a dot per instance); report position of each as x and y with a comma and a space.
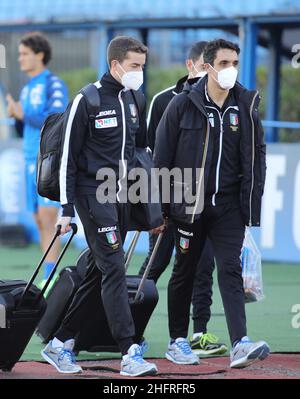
133, 364
245, 352
180, 352
144, 346
62, 358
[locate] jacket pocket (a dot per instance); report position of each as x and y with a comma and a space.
191, 144
181, 199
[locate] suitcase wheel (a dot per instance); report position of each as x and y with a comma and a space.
7, 367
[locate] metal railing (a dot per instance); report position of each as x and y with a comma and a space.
265, 123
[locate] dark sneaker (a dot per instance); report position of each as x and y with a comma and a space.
207, 344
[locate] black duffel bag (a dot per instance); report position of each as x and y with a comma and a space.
145, 216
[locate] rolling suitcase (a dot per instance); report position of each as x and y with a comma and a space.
21, 307
95, 335
61, 295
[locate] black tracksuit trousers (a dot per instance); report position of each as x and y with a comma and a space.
203, 280
224, 225
105, 230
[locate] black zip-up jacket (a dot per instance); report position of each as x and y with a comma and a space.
157, 107
223, 183
117, 130
183, 141
160, 102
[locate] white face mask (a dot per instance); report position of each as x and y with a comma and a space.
199, 74
226, 77
132, 80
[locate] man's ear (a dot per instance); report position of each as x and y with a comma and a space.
113, 64
206, 67
41, 56
189, 65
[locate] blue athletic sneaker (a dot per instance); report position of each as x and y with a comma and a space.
133, 364
63, 358
180, 352
144, 346
245, 352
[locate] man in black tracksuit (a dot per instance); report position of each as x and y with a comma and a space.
159, 103
213, 128
202, 343
118, 128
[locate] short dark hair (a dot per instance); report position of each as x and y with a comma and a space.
38, 43
120, 45
196, 50
212, 47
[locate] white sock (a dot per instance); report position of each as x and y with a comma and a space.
197, 335
56, 343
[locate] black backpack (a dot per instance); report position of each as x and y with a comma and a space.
52, 139
51, 145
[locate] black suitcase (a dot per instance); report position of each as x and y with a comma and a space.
21, 307
61, 295
95, 335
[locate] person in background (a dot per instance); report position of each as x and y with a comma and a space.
44, 94
202, 342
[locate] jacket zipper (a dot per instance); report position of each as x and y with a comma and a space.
253, 156
123, 145
221, 118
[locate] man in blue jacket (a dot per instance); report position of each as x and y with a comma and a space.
43, 95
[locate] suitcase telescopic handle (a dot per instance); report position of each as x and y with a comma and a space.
148, 267
30, 282
131, 248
